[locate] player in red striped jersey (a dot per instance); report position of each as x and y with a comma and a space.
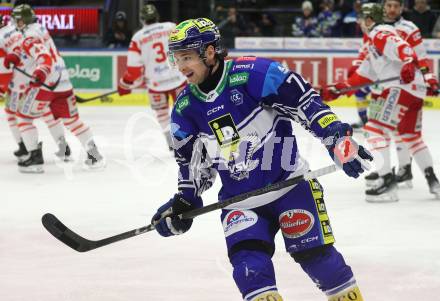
147, 63
38, 56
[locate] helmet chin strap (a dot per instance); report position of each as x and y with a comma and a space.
210, 67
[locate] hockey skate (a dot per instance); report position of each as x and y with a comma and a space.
434, 186
94, 159
357, 127
33, 162
21, 152
384, 190
404, 176
63, 152
371, 179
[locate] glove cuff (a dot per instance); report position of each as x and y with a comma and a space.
194, 201
336, 131
430, 77
125, 84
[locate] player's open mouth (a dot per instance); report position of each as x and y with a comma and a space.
188, 75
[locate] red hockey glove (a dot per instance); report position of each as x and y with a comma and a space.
38, 78
332, 92
11, 58
408, 72
432, 82
124, 87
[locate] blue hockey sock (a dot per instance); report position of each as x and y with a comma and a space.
327, 269
362, 112
253, 272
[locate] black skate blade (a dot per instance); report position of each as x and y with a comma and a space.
55, 227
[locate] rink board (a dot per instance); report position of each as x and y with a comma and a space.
320, 61
140, 99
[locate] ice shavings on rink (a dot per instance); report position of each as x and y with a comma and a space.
392, 248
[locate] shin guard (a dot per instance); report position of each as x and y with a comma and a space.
325, 266
253, 273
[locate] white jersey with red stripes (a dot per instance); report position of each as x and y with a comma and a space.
10, 41
363, 51
409, 31
39, 51
5, 74
387, 53
147, 56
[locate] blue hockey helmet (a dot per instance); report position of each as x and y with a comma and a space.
196, 34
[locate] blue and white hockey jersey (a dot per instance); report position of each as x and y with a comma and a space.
243, 131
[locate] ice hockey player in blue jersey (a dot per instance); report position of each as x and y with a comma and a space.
234, 119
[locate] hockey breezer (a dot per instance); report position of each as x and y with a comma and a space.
81, 244
51, 88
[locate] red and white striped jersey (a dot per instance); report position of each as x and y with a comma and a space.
363, 51
387, 53
39, 51
5, 74
10, 41
147, 56
409, 32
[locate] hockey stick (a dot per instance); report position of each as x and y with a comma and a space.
51, 88
103, 97
81, 244
352, 88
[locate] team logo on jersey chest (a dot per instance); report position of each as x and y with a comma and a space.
224, 130
182, 104
238, 79
236, 97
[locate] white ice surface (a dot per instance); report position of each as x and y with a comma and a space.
393, 249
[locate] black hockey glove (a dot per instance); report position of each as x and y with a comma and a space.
166, 219
346, 153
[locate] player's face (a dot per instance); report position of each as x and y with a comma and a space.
19, 23
366, 24
190, 64
392, 10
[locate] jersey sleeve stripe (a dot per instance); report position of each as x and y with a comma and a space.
301, 86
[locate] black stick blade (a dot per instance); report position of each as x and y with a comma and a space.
80, 99
55, 227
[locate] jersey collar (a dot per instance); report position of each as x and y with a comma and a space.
212, 95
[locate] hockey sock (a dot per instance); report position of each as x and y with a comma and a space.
325, 266
418, 149
55, 126
423, 159
163, 117
253, 273
403, 154
347, 291
159, 105
29, 132
362, 112
12, 122
362, 104
379, 142
79, 129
